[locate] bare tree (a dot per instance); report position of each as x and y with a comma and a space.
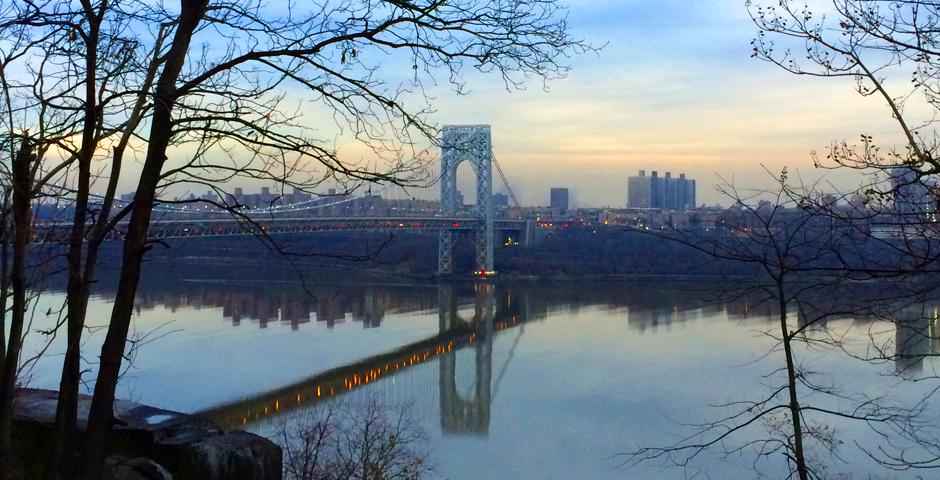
26, 138
21, 227
808, 268
354, 441
205, 115
889, 49
70, 70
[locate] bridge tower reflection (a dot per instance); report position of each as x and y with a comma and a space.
467, 414
465, 387
917, 337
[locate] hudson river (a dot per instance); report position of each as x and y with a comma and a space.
508, 381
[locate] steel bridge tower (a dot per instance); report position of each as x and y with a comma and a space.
471, 143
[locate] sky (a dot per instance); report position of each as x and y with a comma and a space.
674, 89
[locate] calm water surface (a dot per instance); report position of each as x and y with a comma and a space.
508, 381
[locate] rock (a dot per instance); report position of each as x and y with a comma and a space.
123, 468
150, 441
236, 455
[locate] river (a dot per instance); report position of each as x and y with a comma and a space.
508, 381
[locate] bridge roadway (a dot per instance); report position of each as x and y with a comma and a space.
455, 334
205, 227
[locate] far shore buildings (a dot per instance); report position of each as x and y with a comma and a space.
267, 199
666, 192
559, 199
912, 191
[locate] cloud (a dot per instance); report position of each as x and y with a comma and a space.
674, 90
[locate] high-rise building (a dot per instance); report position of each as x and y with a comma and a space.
559, 198
500, 200
685, 192
910, 191
671, 193
657, 191
639, 194
299, 196
660, 192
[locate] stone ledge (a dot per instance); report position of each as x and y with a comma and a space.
189, 447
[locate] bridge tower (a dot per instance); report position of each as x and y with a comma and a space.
471, 143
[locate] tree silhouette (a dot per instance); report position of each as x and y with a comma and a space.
205, 91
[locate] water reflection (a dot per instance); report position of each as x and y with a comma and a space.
452, 371
917, 337
288, 304
650, 306
555, 376
470, 414
461, 414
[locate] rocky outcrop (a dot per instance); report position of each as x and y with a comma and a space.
186, 446
122, 468
236, 456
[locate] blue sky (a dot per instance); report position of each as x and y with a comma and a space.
674, 90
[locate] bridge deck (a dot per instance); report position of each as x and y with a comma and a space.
207, 227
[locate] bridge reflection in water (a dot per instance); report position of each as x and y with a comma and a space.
405, 375
455, 375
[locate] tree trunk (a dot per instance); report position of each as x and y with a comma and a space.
5, 231
22, 185
135, 242
64, 432
798, 456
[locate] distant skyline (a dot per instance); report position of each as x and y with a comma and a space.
674, 89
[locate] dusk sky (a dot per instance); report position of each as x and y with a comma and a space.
674, 90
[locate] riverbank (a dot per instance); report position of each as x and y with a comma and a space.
145, 438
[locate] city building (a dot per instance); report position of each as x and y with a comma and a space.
639, 193
911, 192
266, 199
210, 196
500, 200
559, 198
666, 192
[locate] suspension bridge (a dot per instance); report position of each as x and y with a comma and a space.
369, 211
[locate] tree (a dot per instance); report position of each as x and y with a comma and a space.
354, 441
68, 72
204, 93
890, 51
809, 268
20, 207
